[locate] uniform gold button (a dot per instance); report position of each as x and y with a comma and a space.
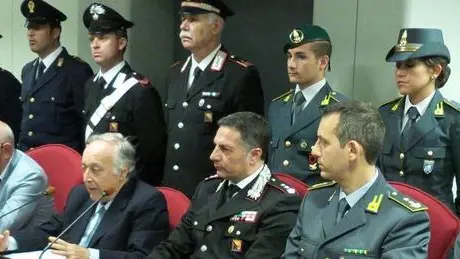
32, 99
176, 146
238, 233
31, 116
302, 250
286, 163
430, 153
203, 248
185, 104
209, 228
401, 156
30, 133
180, 125
176, 168
195, 223
287, 143
401, 173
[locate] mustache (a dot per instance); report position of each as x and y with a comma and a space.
183, 34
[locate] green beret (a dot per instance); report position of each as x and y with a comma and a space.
305, 34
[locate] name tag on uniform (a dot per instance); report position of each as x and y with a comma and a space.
245, 216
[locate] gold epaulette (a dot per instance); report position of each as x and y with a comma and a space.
406, 202
240, 61
398, 100
332, 95
321, 185
284, 95
454, 106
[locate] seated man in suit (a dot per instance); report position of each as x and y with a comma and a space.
21, 181
130, 219
358, 214
242, 211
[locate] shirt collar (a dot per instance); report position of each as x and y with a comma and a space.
106, 205
243, 183
310, 91
421, 106
206, 61
110, 75
355, 196
48, 60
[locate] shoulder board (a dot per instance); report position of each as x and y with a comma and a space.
407, 202
454, 105
284, 96
177, 63
78, 59
144, 81
283, 187
212, 177
333, 96
322, 185
240, 61
396, 100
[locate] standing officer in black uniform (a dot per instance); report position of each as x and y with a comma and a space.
294, 116
242, 211
119, 99
422, 143
210, 84
52, 84
10, 106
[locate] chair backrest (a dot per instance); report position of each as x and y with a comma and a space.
298, 185
444, 225
62, 165
177, 204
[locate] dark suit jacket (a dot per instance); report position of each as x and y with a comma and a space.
135, 222
53, 104
138, 115
290, 145
395, 228
432, 159
10, 106
192, 116
210, 231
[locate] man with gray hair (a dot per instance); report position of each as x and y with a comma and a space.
207, 86
241, 212
127, 222
21, 181
358, 213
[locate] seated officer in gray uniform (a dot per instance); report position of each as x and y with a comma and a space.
294, 116
243, 211
422, 143
358, 214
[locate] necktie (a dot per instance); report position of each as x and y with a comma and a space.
84, 242
196, 75
101, 82
41, 69
232, 189
342, 209
299, 101
413, 114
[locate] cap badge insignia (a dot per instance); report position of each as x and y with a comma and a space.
31, 6
403, 40
96, 10
296, 36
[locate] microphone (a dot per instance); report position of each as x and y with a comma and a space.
103, 195
48, 192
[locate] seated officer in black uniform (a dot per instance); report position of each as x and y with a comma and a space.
10, 106
422, 143
294, 116
209, 85
52, 84
119, 99
358, 214
242, 211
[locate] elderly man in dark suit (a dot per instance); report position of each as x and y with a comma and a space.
294, 116
358, 214
241, 212
52, 84
128, 220
209, 85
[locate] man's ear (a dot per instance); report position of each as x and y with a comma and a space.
122, 43
354, 150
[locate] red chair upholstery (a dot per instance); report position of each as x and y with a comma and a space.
177, 204
62, 165
299, 186
444, 225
